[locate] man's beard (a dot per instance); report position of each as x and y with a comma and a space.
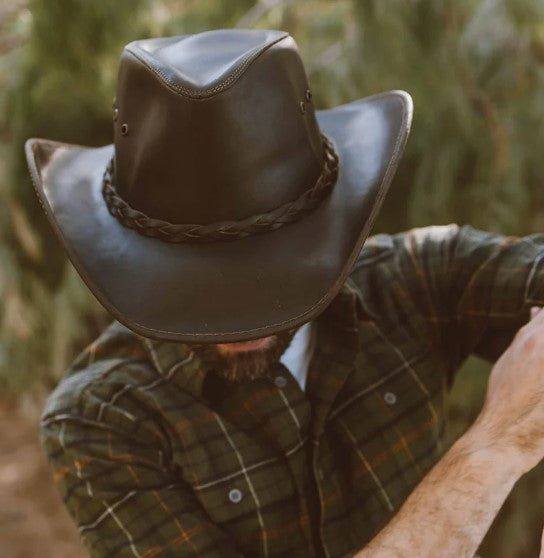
244, 365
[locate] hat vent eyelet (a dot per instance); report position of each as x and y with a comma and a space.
308, 95
124, 129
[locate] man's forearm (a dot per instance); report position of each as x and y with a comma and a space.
450, 511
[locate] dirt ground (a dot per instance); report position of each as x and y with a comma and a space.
33, 522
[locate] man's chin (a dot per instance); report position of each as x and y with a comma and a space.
246, 360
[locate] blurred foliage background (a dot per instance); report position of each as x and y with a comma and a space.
475, 69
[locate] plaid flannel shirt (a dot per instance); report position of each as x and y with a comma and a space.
155, 456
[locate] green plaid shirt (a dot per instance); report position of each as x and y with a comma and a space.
154, 456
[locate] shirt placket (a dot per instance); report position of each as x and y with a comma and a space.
316, 478
337, 343
300, 465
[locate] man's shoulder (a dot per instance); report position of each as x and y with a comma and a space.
398, 263
116, 358
388, 247
376, 248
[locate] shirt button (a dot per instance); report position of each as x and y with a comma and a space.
235, 496
280, 381
390, 398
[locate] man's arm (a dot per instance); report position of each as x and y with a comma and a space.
449, 513
472, 288
122, 498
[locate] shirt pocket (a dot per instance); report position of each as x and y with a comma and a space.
248, 493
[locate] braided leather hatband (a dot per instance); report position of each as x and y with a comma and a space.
224, 230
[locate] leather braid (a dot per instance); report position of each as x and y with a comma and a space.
224, 230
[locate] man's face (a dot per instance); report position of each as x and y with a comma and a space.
245, 360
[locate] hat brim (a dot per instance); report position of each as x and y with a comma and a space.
226, 291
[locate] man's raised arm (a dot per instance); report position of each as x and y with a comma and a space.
449, 513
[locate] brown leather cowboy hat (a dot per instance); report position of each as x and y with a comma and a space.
227, 208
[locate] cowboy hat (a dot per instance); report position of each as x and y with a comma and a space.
227, 207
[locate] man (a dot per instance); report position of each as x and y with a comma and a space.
278, 389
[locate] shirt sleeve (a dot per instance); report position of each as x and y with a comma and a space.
123, 501
473, 288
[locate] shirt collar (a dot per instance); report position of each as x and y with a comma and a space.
296, 358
